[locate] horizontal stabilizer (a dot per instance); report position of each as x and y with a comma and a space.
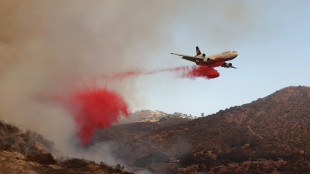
177, 54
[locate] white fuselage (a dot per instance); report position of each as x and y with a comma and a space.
228, 55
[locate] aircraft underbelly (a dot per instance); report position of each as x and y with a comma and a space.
215, 62
211, 64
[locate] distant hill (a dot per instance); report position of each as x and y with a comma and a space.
150, 116
123, 133
143, 116
273, 128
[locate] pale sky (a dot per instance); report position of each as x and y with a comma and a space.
273, 47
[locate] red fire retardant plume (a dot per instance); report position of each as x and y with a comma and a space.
183, 72
96, 109
201, 71
99, 108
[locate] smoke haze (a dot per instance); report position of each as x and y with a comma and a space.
49, 49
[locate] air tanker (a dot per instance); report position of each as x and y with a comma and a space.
214, 60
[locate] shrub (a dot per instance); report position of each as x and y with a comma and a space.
200, 159
75, 163
45, 158
234, 156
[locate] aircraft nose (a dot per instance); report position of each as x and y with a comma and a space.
235, 53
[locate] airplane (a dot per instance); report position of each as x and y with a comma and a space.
213, 60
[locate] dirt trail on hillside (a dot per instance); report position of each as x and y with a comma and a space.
252, 132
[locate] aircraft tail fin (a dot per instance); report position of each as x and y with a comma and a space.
198, 51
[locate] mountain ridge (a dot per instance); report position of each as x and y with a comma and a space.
273, 127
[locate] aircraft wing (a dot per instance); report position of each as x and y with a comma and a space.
190, 58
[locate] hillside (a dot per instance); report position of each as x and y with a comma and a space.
280, 121
273, 128
28, 152
271, 134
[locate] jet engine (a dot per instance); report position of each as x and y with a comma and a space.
227, 65
206, 60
